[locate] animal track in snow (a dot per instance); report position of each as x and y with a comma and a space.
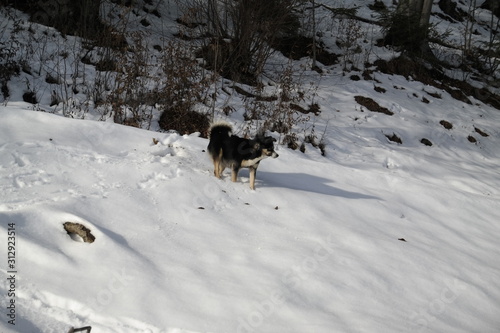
20, 160
153, 180
30, 179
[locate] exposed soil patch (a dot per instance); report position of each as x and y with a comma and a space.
313, 108
426, 142
245, 93
80, 230
471, 139
394, 138
377, 6
493, 6
371, 105
297, 47
417, 70
446, 124
482, 133
368, 75
434, 94
30, 97
453, 13
185, 122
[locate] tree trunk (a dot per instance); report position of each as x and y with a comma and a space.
409, 27
425, 13
416, 8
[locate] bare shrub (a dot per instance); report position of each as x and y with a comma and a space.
491, 54
278, 113
184, 84
241, 33
281, 109
9, 49
349, 33
130, 97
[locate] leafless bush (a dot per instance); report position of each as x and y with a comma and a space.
184, 84
283, 109
9, 48
172, 88
491, 53
349, 33
132, 96
237, 35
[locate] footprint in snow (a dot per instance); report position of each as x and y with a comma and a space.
153, 180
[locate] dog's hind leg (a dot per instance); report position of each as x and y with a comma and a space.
234, 172
221, 169
218, 165
216, 168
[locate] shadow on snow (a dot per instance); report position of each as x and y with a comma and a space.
306, 182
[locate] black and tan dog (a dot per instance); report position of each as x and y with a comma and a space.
231, 151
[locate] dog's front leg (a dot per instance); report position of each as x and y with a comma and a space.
253, 172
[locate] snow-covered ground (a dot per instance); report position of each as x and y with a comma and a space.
317, 247
375, 236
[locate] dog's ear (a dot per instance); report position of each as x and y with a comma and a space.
268, 139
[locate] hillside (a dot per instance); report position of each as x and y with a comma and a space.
381, 231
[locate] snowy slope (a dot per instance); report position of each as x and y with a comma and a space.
314, 249
373, 237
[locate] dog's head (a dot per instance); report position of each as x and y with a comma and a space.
266, 145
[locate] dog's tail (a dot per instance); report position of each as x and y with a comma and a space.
219, 132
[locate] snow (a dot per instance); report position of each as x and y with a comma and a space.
373, 237
314, 248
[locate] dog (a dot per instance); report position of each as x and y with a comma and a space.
230, 151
